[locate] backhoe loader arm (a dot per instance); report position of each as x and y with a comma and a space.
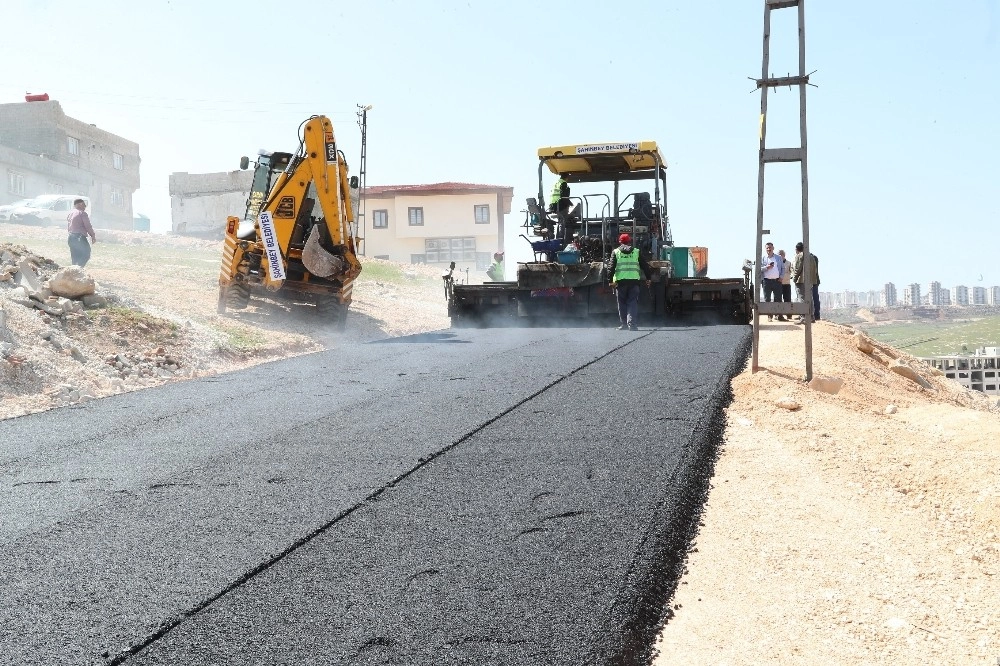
295, 247
321, 164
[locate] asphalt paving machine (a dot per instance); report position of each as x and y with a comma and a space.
283, 247
601, 191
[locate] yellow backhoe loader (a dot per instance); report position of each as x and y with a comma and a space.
285, 248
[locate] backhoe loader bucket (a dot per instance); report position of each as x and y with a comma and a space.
318, 261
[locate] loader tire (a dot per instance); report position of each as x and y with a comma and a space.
237, 296
331, 309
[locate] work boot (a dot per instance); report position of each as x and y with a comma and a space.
782, 318
622, 327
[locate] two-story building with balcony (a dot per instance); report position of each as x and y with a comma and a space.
436, 223
44, 151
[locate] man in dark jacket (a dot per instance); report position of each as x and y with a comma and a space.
627, 268
799, 278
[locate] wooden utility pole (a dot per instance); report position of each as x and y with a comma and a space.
771, 155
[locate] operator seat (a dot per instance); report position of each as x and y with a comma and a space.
642, 208
302, 221
543, 223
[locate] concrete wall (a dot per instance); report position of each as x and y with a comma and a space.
201, 202
40, 176
40, 133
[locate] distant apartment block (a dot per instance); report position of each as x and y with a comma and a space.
911, 294
44, 151
887, 298
960, 295
436, 223
889, 295
934, 293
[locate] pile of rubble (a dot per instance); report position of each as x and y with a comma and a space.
64, 290
55, 351
156, 363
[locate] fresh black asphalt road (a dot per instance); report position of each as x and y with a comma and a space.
462, 497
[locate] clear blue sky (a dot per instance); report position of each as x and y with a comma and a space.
904, 135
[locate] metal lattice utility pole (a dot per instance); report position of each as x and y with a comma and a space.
770, 155
363, 171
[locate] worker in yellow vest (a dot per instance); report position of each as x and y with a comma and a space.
627, 268
560, 191
496, 271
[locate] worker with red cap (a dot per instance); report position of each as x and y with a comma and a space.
627, 268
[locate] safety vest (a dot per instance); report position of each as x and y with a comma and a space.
626, 265
557, 191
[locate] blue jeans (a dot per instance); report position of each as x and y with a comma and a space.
628, 304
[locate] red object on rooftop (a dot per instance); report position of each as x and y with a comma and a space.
42, 97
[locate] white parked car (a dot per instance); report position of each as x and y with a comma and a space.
5, 209
47, 209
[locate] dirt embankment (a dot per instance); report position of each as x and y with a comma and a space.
861, 527
160, 323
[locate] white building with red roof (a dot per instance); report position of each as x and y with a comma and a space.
436, 223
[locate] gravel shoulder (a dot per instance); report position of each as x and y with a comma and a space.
842, 533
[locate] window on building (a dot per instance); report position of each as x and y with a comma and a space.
482, 214
54, 188
117, 198
73, 145
445, 250
380, 219
418, 259
416, 216
15, 182
119, 161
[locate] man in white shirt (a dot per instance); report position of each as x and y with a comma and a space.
770, 267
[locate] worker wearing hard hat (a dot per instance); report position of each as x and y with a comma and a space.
628, 267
